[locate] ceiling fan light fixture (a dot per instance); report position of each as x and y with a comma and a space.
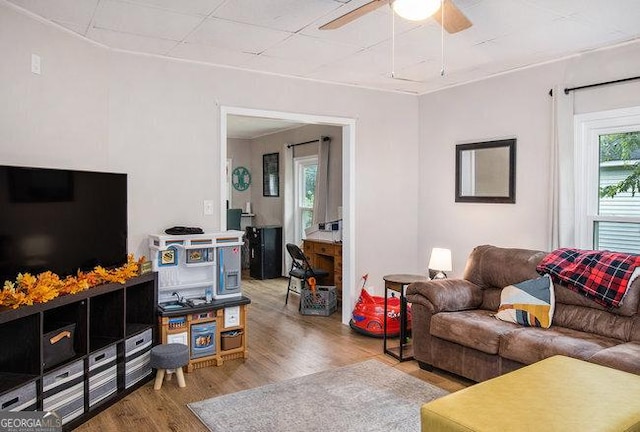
415, 10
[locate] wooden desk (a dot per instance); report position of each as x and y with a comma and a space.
326, 255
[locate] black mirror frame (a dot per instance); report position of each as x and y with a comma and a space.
270, 170
511, 198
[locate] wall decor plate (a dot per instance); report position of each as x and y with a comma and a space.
241, 178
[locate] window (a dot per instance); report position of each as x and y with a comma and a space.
305, 187
608, 180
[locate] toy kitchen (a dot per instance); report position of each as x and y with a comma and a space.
200, 301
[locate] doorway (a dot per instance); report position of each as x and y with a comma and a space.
348, 186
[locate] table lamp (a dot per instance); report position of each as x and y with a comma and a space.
440, 262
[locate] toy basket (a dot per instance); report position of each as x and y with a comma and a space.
231, 340
323, 302
57, 344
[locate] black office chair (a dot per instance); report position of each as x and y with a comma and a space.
300, 269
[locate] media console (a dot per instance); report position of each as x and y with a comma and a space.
112, 328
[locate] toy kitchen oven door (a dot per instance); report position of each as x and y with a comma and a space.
203, 337
229, 272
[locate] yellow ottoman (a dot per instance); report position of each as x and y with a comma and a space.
555, 394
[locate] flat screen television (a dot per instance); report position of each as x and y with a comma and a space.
61, 220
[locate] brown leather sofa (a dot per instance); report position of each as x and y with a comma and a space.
453, 327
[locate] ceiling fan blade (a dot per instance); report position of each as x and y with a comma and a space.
354, 14
454, 19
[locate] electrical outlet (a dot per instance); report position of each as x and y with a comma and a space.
207, 206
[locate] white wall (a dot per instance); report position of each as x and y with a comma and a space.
59, 118
239, 150
269, 210
512, 105
158, 121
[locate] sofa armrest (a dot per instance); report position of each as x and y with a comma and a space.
445, 295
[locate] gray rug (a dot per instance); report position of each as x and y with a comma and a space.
368, 396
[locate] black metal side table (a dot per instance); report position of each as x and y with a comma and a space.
398, 283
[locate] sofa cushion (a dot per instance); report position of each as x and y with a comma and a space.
491, 266
476, 329
491, 299
635, 329
529, 303
629, 305
591, 320
625, 357
531, 344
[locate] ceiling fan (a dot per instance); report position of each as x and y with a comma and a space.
445, 12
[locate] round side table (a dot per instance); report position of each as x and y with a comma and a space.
398, 283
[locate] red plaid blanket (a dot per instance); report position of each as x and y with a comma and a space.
600, 275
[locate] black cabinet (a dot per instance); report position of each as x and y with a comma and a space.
265, 251
96, 326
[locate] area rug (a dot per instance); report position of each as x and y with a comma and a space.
368, 396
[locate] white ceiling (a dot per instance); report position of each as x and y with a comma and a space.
282, 36
243, 127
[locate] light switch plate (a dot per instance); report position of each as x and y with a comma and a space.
207, 207
35, 64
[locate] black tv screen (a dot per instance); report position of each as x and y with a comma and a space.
61, 220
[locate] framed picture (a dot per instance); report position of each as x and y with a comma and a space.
168, 257
270, 175
196, 256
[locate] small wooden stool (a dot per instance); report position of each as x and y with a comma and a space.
166, 358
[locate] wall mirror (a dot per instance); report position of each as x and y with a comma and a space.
270, 175
486, 172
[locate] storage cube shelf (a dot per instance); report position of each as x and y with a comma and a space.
102, 309
114, 329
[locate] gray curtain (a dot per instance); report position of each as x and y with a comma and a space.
322, 183
562, 198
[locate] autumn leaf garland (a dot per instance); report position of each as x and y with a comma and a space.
28, 289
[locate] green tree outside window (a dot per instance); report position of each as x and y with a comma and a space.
622, 147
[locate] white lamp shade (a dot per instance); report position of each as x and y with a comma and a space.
440, 259
415, 10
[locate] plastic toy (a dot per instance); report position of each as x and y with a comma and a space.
368, 314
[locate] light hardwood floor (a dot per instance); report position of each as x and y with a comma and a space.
282, 344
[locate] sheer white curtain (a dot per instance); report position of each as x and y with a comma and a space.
562, 197
322, 183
